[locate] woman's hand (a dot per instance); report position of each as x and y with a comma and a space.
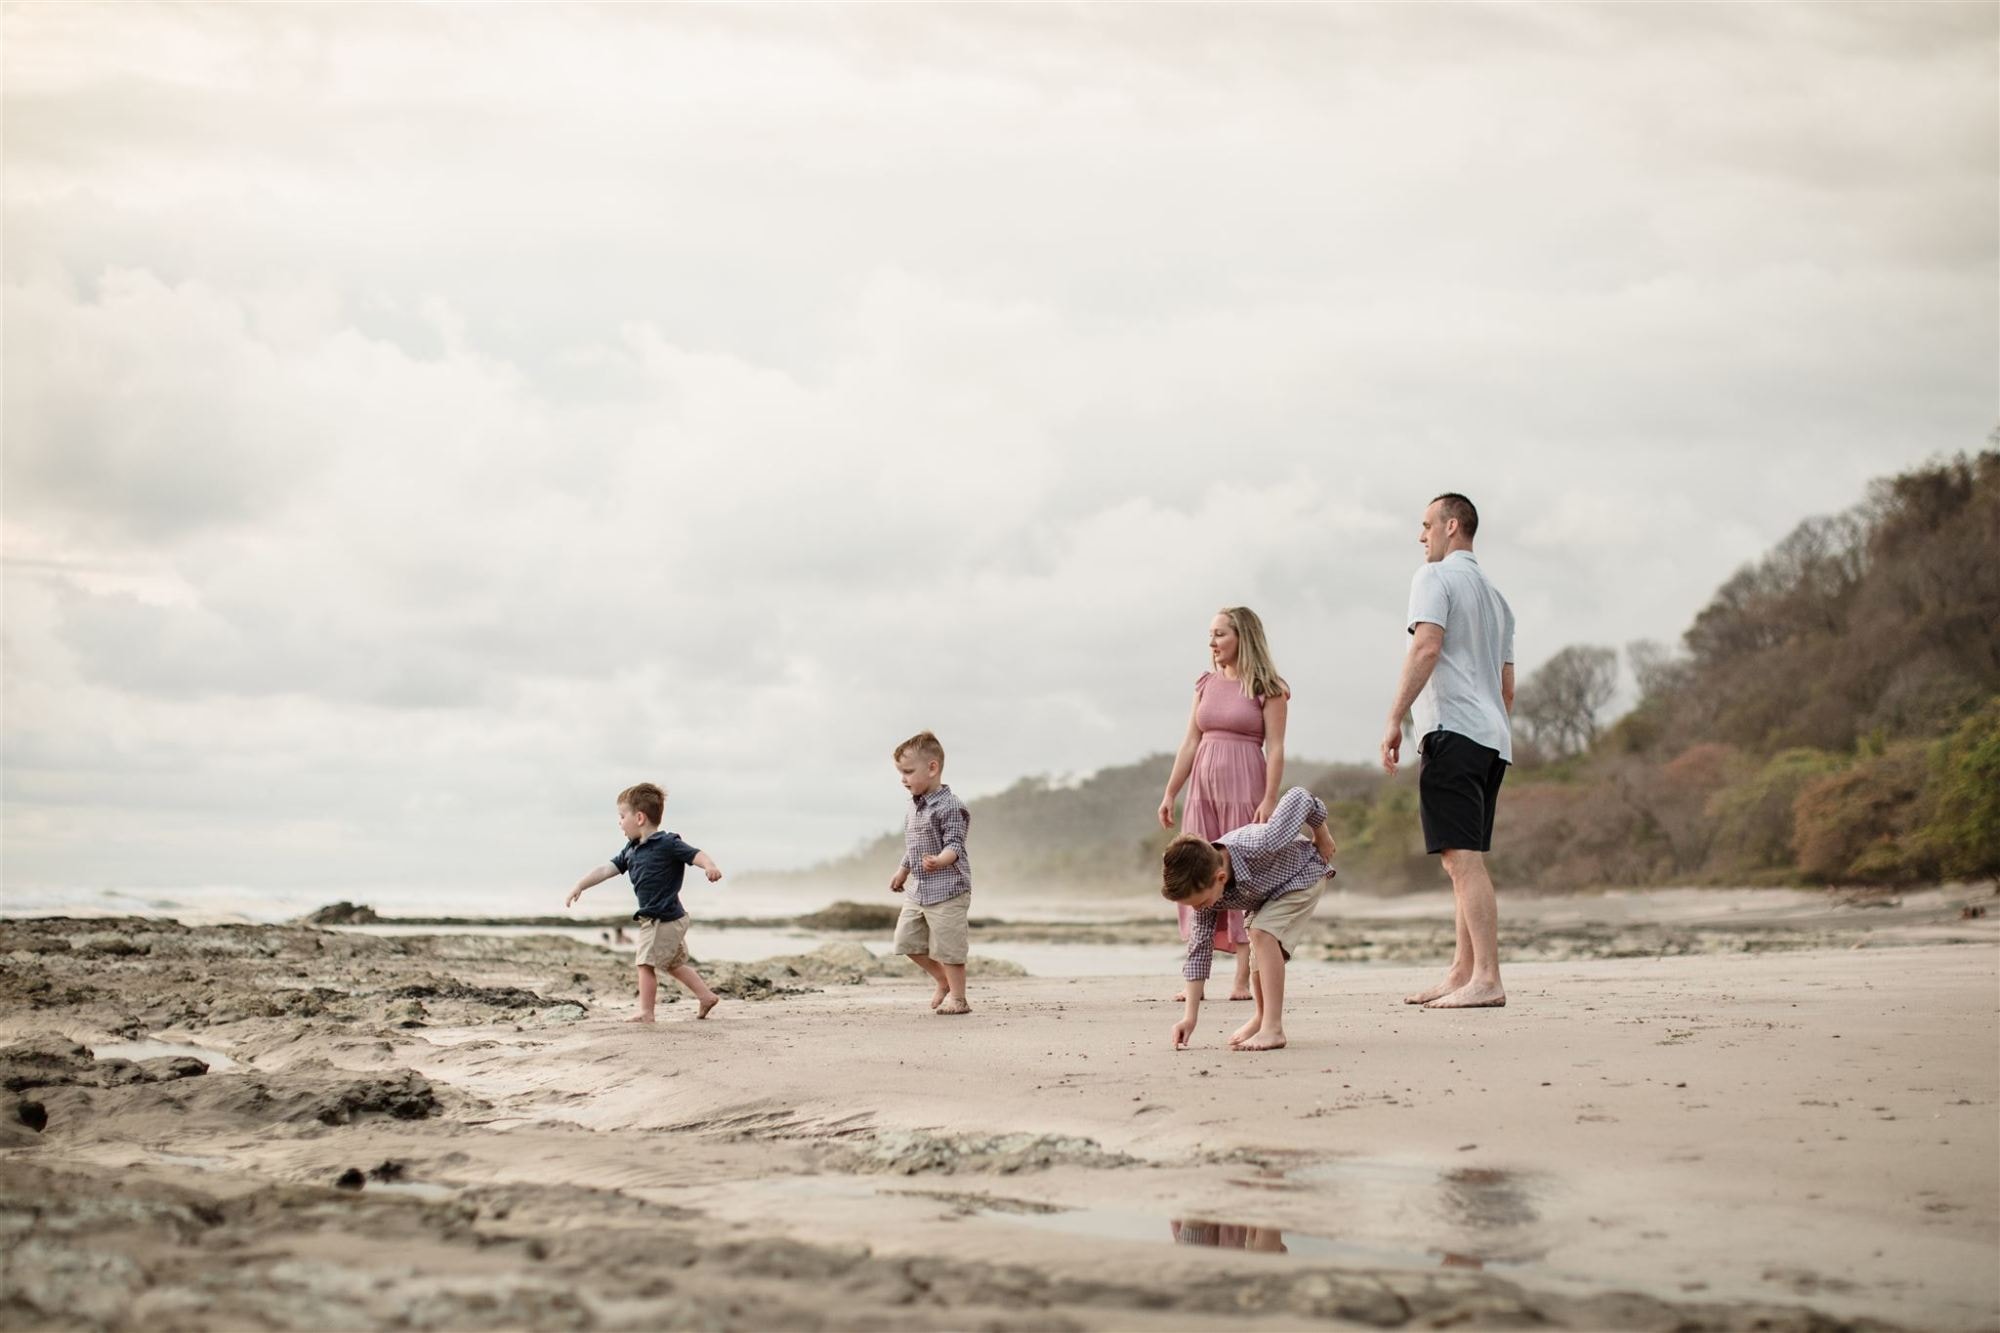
1167, 813
1264, 809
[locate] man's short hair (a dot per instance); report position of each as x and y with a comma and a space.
924, 746
1458, 507
645, 798
1187, 867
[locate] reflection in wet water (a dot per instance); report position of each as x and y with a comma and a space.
1270, 1240
1489, 1215
1227, 1236
1376, 1213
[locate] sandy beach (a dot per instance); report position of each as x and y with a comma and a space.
287, 1127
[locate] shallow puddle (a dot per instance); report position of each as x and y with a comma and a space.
1117, 1224
1490, 1213
135, 1051
415, 1189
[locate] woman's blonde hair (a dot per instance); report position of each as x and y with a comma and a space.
1254, 668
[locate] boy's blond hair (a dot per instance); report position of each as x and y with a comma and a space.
1187, 867
924, 746
647, 799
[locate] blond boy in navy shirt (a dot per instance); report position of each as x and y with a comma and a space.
656, 861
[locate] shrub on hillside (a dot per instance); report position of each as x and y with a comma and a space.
1964, 827
1864, 823
1382, 844
1755, 816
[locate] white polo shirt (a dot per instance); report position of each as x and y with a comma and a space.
1464, 691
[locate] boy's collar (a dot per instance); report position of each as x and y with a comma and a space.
932, 792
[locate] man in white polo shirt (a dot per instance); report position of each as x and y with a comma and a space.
1459, 674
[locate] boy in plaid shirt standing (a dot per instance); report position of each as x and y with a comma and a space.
932, 929
1269, 871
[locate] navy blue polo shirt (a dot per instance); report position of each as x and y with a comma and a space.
656, 865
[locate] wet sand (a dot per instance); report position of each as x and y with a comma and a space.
460, 1132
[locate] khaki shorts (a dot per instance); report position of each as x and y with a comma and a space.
1284, 917
662, 944
938, 931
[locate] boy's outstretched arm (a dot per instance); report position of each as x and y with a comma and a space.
1200, 954
1184, 1030
706, 864
595, 877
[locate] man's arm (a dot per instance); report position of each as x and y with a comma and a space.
1426, 644
594, 878
1507, 688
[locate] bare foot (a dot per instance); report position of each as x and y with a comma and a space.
1179, 996
707, 1005
937, 996
1245, 1033
1263, 1041
954, 1005
1435, 992
1241, 995
640, 1018
1472, 995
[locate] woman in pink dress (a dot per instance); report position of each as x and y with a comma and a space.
1232, 760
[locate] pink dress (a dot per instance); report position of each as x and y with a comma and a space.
1227, 781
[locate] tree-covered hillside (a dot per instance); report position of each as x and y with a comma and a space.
1831, 716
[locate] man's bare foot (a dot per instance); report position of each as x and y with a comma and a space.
1241, 995
937, 996
1263, 1041
1246, 1032
640, 1018
1446, 987
954, 1005
707, 1005
1472, 995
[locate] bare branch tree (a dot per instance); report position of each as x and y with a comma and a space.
1559, 704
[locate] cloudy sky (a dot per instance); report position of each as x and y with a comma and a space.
421, 422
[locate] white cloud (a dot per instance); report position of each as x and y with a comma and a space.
417, 428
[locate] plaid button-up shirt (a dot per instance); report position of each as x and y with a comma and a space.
937, 820
1265, 860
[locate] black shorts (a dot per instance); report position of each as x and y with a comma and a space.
1458, 789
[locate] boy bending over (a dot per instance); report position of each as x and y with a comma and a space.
1272, 873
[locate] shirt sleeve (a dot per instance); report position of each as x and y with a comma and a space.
679, 848
1507, 647
1201, 945
952, 825
621, 861
1429, 600
1297, 809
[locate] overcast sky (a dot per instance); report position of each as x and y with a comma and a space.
421, 422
